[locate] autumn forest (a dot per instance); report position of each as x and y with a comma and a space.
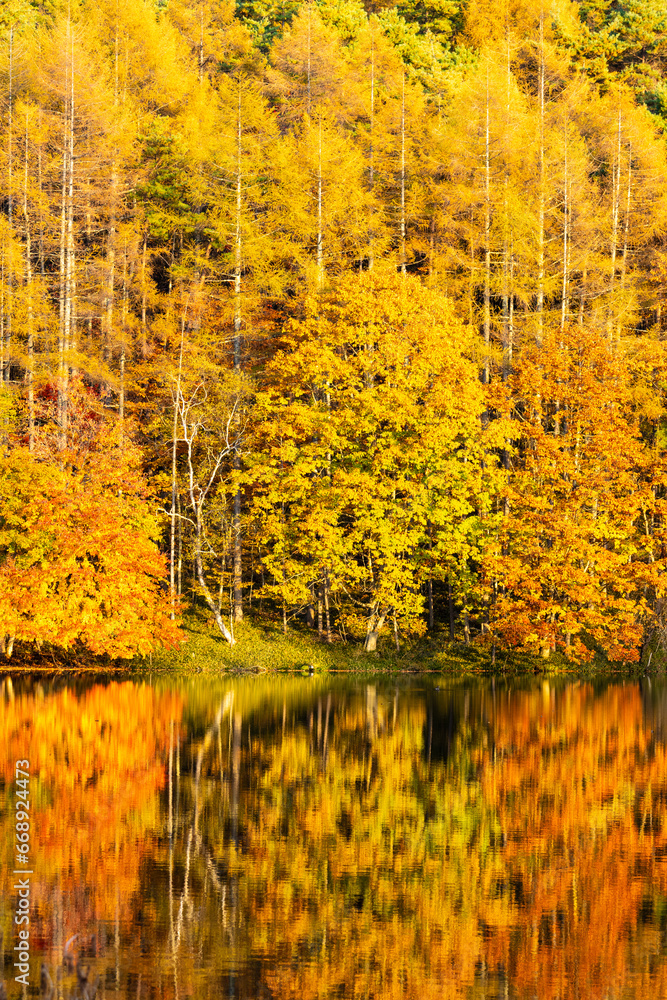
346, 313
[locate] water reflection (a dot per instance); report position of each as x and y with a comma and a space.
300, 838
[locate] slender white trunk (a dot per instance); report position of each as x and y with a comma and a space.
320, 258
144, 298
70, 328
237, 540
541, 195
123, 332
172, 540
487, 235
626, 234
30, 310
10, 112
3, 250
566, 236
507, 236
10, 209
308, 68
66, 243
111, 269
473, 272
510, 339
42, 262
371, 152
616, 195
403, 173
201, 43
582, 298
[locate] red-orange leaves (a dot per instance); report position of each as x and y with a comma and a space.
78, 560
571, 559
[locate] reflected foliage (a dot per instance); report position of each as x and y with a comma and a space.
308, 838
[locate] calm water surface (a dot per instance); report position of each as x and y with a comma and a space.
292, 837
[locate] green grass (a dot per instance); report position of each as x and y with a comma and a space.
261, 646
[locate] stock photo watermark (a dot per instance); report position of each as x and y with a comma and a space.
22, 868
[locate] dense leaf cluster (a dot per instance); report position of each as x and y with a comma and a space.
375, 288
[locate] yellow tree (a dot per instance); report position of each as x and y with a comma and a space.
366, 448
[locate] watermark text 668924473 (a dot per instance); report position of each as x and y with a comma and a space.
22, 867
22, 828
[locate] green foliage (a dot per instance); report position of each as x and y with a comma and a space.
267, 19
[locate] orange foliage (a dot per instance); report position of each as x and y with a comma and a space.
466, 843
572, 559
79, 564
97, 765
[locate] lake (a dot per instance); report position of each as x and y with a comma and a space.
279, 837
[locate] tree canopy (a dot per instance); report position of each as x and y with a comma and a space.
369, 296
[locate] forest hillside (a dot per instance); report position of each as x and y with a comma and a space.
346, 313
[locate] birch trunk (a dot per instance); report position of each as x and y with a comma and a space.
403, 173
201, 43
29, 304
566, 238
66, 246
123, 331
371, 152
6, 371
506, 221
320, 259
626, 233
237, 540
308, 68
614, 230
144, 297
541, 195
582, 297
487, 235
200, 488
172, 533
111, 269
70, 342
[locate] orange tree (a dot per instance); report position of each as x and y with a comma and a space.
79, 563
572, 565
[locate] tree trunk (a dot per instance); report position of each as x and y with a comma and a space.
403, 233
566, 237
451, 609
67, 282
201, 43
541, 195
144, 295
320, 258
487, 237
237, 539
327, 615
626, 232
172, 546
6, 371
375, 623
208, 597
371, 151
123, 331
29, 290
616, 194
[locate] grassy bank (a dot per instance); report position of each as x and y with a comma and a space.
262, 646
